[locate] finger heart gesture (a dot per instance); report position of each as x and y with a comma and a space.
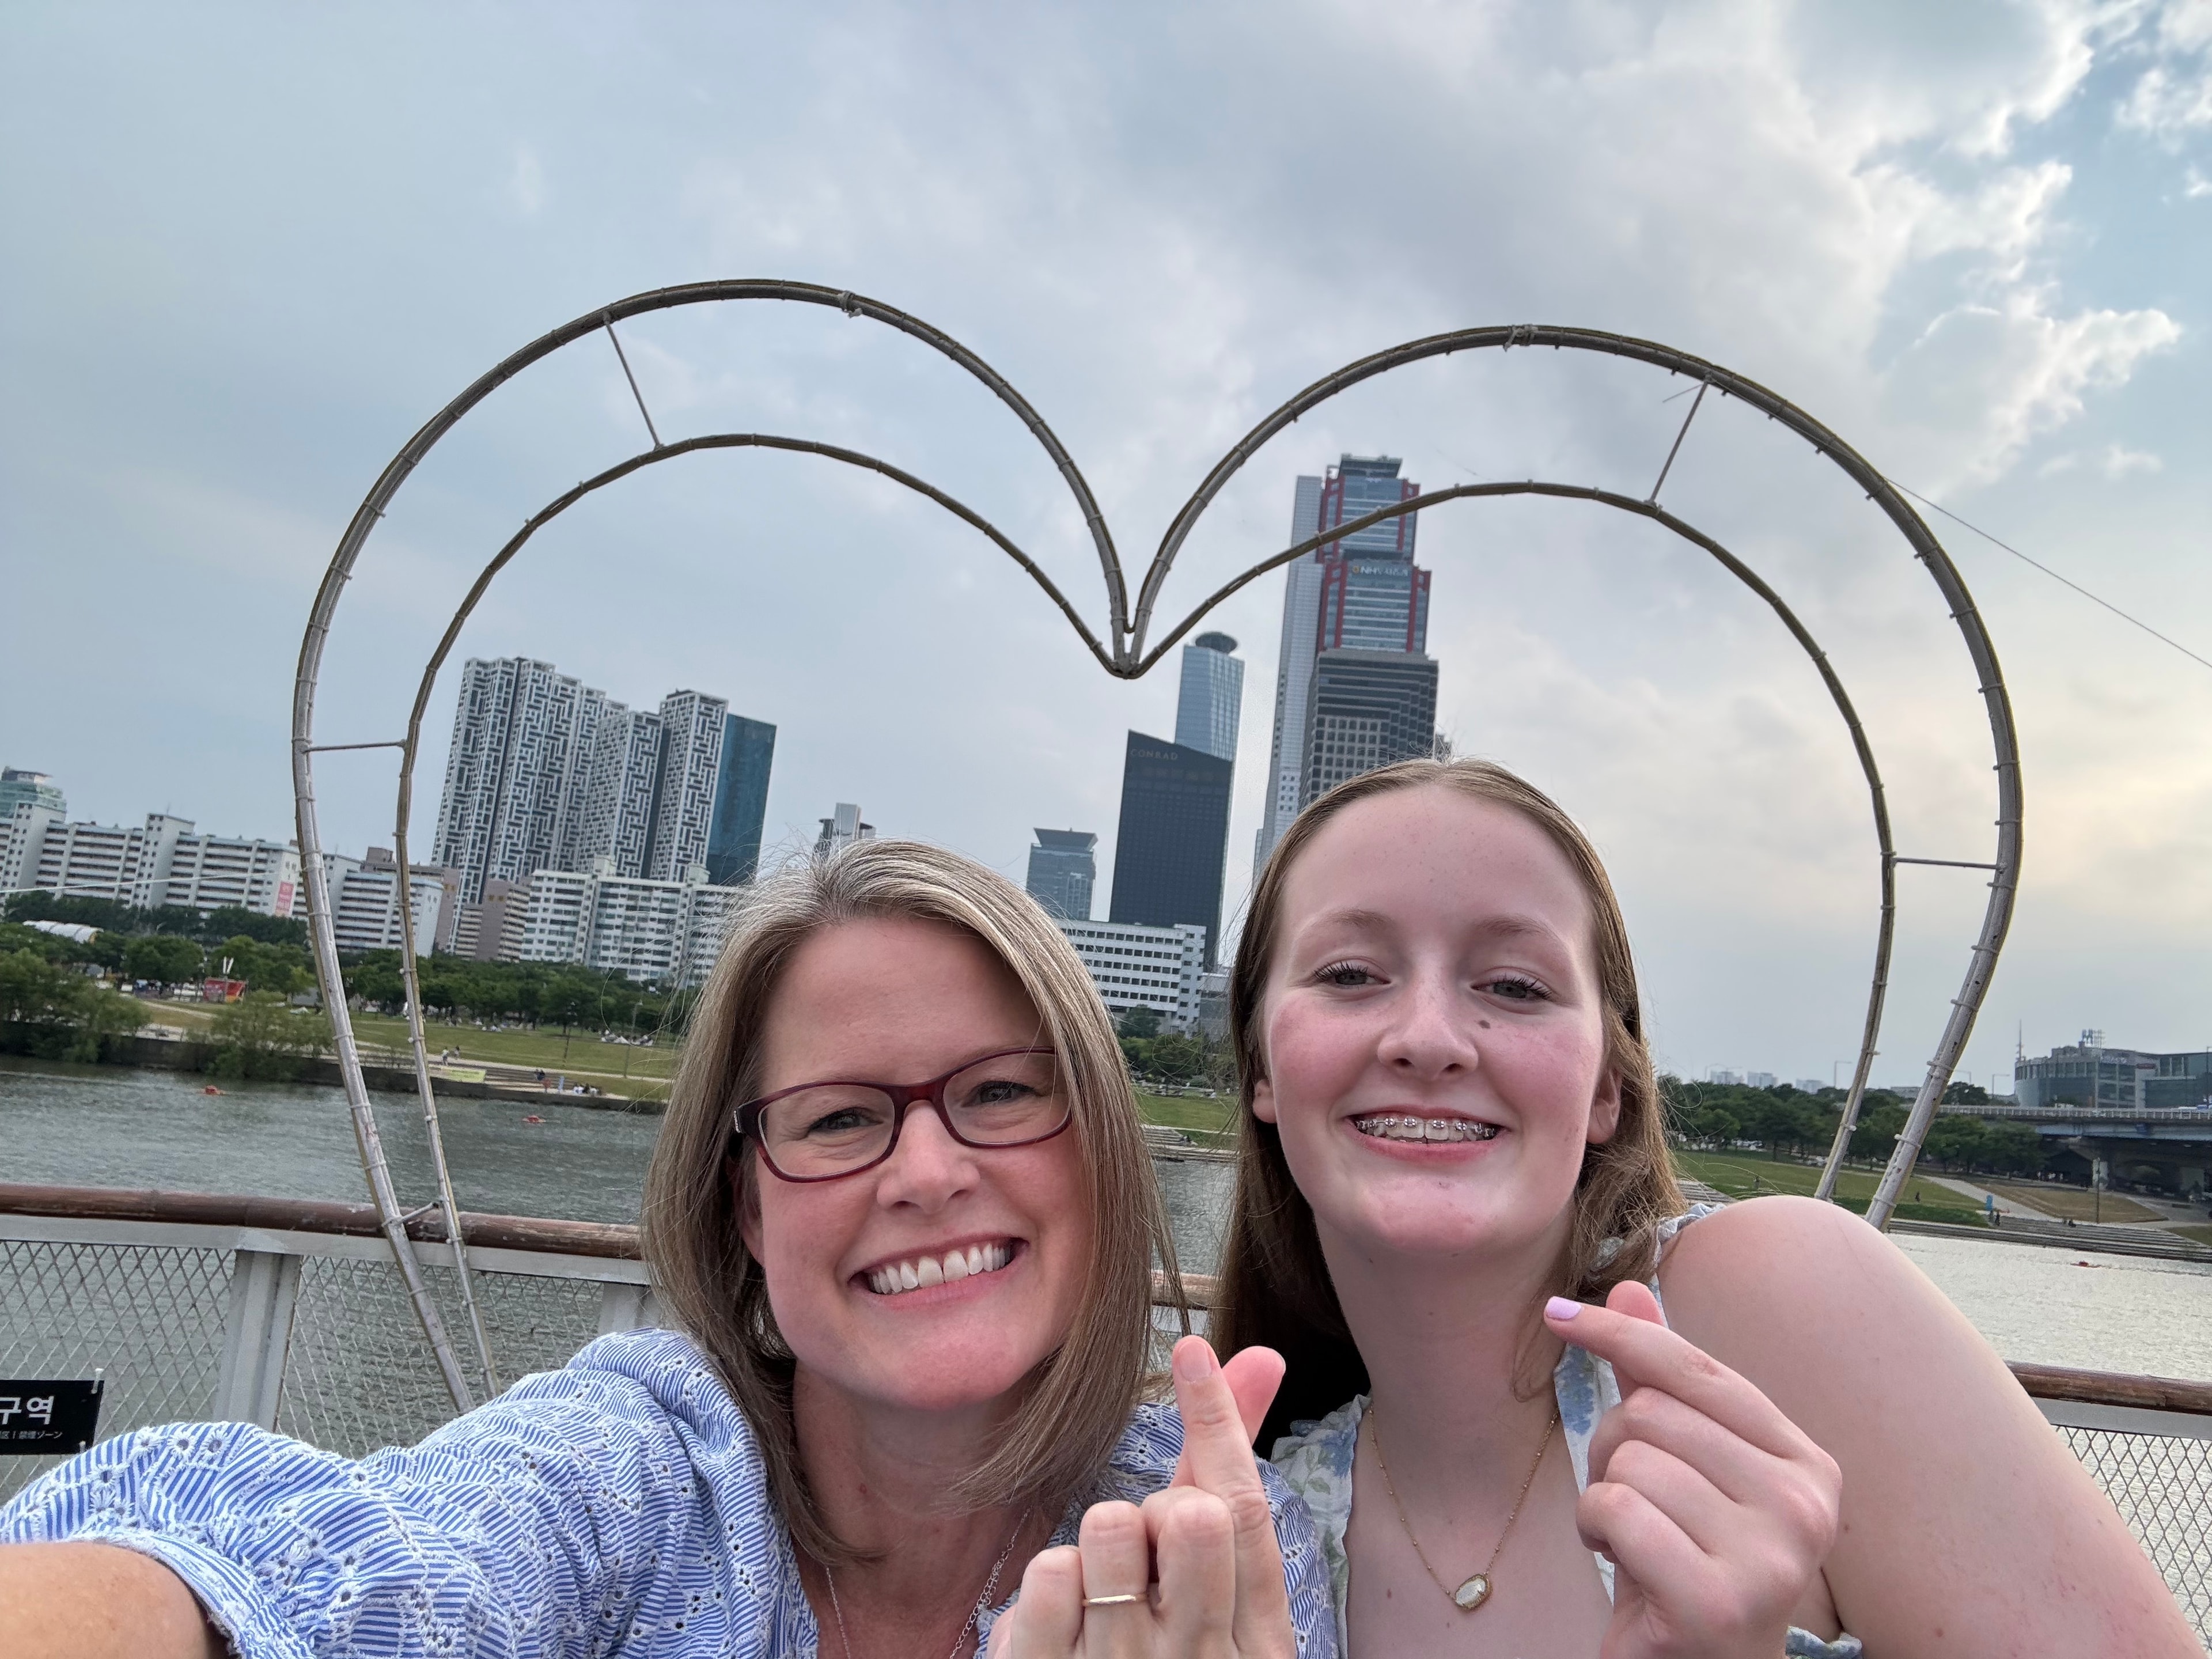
1193, 1571
1716, 1509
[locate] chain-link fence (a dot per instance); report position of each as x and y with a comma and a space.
356, 1375
2162, 1486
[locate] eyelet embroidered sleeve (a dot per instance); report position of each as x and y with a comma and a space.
618, 1506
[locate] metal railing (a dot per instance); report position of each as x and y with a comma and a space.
292, 1315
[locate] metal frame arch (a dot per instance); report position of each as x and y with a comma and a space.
1981, 651
314, 882
1123, 655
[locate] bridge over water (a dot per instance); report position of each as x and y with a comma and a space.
2168, 1147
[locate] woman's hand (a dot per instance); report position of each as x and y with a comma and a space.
1194, 1572
1716, 1510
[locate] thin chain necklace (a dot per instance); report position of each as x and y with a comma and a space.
1475, 1588
975, 1613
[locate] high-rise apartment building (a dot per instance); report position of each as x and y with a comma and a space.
1062, 869
1173, 840
510, 771
733, 834
1369, 708
1361, 593
30, 804
614, 818
692, 736
1211, 701
546, 773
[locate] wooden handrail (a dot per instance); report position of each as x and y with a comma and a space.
615, 1243
307, 1215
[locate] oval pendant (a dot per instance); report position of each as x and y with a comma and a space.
1473, 1593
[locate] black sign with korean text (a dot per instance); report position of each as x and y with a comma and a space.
39, 1418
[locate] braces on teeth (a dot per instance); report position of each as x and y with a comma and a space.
1425, 1128
927, 1270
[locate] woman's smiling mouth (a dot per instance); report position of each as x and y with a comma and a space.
1397, 1125
921, 1273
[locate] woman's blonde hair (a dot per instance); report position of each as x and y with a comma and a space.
1079, 1400
1274, 1287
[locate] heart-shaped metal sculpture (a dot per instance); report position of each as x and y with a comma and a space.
1122, 651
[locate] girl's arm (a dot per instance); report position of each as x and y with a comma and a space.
1968, 1528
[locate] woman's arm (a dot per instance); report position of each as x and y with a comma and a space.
96, 1601
580, 1509
1968, 1528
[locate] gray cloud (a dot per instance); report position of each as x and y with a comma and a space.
258, 247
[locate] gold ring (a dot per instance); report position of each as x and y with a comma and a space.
1110, 1600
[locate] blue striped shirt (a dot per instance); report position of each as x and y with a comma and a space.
618, 1506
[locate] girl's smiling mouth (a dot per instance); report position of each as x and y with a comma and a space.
1432, 1130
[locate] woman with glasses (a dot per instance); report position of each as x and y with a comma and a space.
902, 1215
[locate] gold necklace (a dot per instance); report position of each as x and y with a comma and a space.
1474, 1590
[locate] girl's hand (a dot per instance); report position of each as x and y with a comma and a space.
1716, 1510
1197, 1562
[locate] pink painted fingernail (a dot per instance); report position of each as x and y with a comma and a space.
1195, 1361
1561, 1307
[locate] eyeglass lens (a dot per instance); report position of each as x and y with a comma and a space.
837, 1127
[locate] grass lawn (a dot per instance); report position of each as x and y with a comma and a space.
1206, 1121
2198, 1234
2072, 1203
1743, 1175
587, 1055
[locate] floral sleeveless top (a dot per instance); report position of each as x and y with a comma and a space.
1315, 1459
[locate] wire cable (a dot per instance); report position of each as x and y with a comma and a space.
2054, 575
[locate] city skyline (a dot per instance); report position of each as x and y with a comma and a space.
1967, 249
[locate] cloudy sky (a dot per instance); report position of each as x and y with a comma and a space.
250, 249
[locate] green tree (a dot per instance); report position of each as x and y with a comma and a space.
1715, 1126
260, 1036
1874, 1135
161, 957
59, 1012
1957, 1143
1138, 1022
1965, 1094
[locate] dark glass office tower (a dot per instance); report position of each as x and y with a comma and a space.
1369, 708
1174, 838
733, 837
1061, 871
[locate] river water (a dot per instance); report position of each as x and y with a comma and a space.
109, 1127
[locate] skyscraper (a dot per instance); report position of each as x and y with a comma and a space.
691, 738
1363, 594
1211, 699
1173, 837
1062, 870
508, 773
613, 815
842, 829
1369, 708
733, 835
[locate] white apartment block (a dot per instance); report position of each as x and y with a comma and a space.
1135, 966
653, 932
22, 837
365, 914
212, 872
